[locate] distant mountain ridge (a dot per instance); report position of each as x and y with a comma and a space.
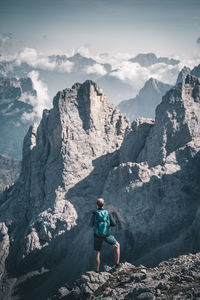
79, 64
12, 108
148, 59
144, 104
58, 71
9, 171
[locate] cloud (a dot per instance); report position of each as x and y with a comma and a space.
165, 73
128, 71
115, 60
135, 75
39, 102
84, 51
97, 69
198, 41
190, 62
132, 74
35, 60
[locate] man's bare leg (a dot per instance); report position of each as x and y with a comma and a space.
117, 252
97, 260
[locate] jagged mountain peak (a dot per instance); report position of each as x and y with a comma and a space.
87, 93
155, 85
182, 74
144, 104
172, 134
76, 85
187, 71
152, 83
79, 59
148, 174
87, 84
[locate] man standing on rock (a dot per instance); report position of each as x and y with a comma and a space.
101, 220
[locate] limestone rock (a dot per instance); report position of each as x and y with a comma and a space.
183, 74
187, 71
66, 159
174, 279
83, 148
176, 122
157, 190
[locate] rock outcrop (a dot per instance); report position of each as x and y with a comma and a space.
145, 103
12, 126
174, 279
159, 184
183, 74
66, 160
187, 71
148, 174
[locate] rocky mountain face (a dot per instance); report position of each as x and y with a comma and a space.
9, 171
144, 104
12, 126
174, 279
196, 71
66, 161
147, 172
148, 59
183, 74
159, 179
187, 71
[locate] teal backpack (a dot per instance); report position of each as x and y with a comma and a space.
101, 222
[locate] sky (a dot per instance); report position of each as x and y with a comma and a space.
165, 27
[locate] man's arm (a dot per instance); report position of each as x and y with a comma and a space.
112, 222
91, 223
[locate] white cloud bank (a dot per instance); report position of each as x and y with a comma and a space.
36, 60
136, 75
39, 102
165, 73
97, 69
126, 71
190, 62
115, 60
84, 51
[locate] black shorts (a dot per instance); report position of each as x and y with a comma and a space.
98, 241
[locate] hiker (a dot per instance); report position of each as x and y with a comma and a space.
101, 220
